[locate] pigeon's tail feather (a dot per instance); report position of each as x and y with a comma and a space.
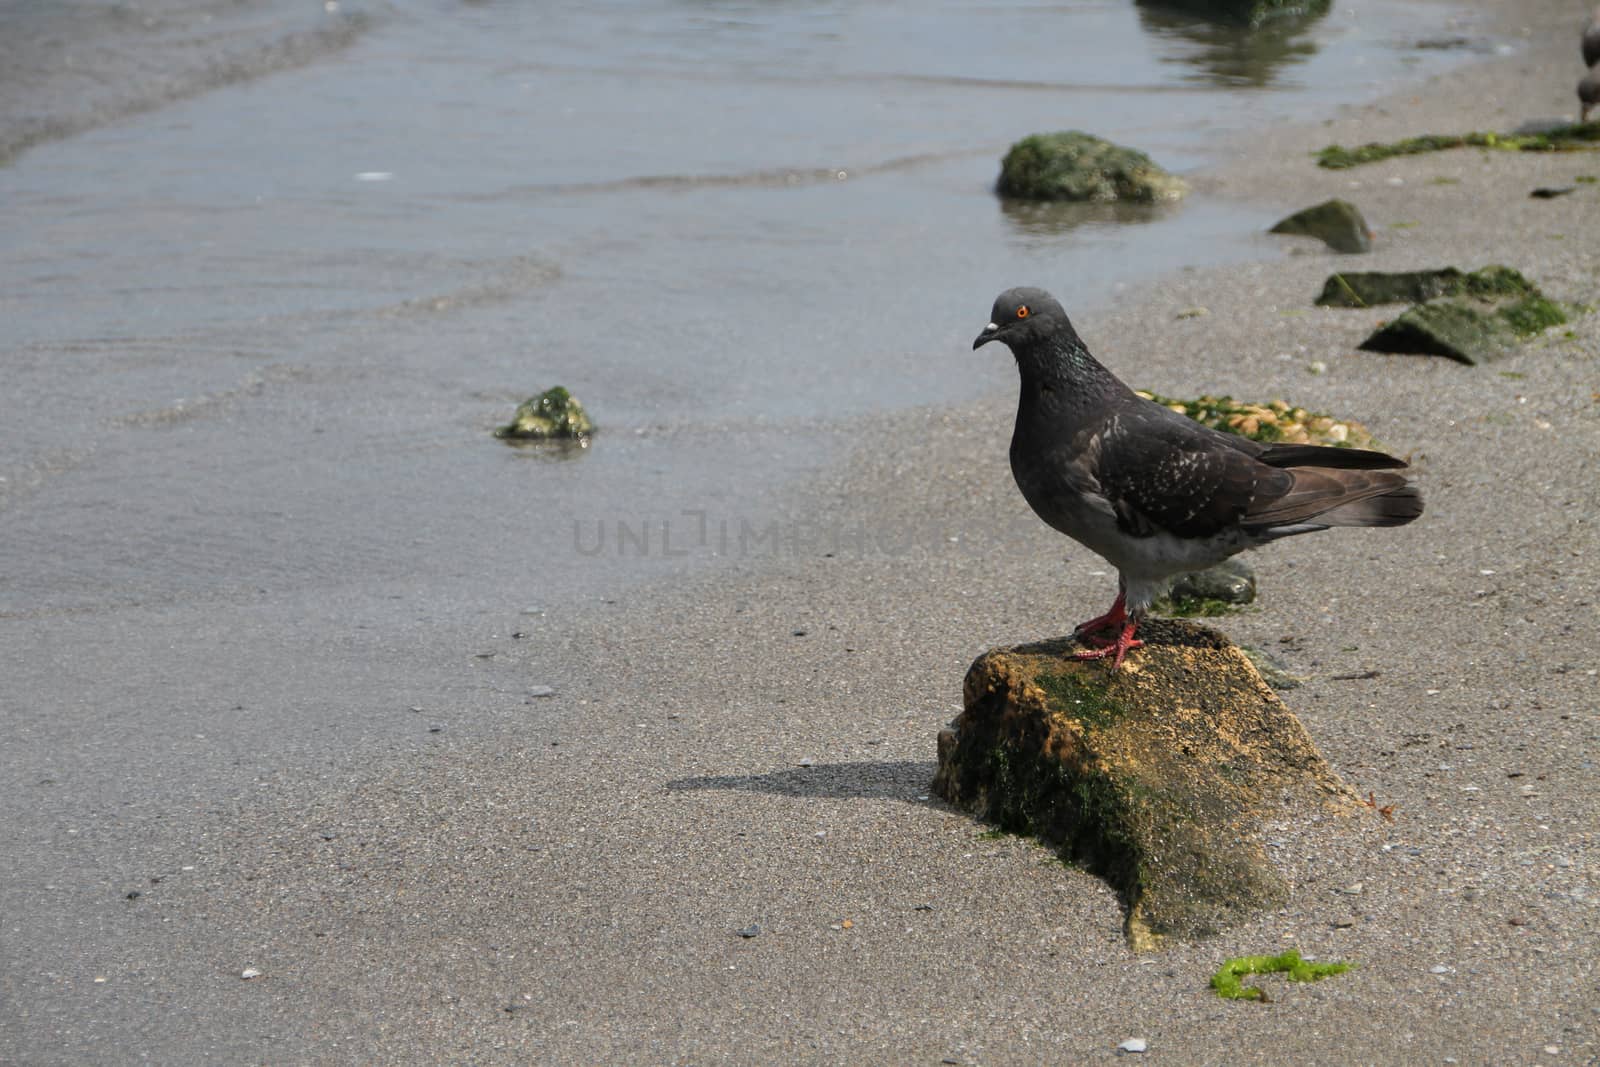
1394, 508
1322, 497
1328, 457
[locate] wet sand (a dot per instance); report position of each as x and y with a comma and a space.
752, 743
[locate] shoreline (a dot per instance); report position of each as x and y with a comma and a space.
751, 743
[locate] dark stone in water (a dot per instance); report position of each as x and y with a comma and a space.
553, 413
1073, 165
1249, 12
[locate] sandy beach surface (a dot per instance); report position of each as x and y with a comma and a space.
749, 743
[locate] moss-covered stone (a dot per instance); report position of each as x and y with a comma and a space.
1357, 289
1251, 48
1073, 165
1250, 12
1270, 422
1449, 328
1337, 223
553, 413
1219, 590
1154, 776
1468, 317
1226, 981
1578, 137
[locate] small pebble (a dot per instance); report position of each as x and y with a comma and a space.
1554, 1050
541, 691
249, 973
1133, 1044
1438, 968
805, 763
750, 931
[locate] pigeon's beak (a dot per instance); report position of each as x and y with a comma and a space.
990, 332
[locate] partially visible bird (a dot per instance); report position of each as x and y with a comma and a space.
1589, 87
1154, 492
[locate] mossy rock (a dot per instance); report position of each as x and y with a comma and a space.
1155, 776
554, 413
1356, 289
1269, 423
1249, 12
1073, 165
1219, 590
1470, 318
1466, 331
1337, 223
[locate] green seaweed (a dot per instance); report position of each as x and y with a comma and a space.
1577, 137
1226, 980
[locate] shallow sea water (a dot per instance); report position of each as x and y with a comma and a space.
301, 299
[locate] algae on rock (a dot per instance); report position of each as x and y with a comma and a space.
1154, 776
553, 413
1219, 590
1073, 165
1470, 318
1356, 289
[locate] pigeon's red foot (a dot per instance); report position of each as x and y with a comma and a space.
1113, 647
1114, 619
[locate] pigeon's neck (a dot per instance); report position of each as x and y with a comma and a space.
1061, 375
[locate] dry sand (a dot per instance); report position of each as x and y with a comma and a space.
754, 745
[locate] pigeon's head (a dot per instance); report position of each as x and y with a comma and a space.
1022, 317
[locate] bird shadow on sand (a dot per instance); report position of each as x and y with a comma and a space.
907, 780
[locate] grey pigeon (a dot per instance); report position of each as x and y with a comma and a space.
1154, 492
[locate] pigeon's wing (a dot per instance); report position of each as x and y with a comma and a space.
1164, 472
1292, 455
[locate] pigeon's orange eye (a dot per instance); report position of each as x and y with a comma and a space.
1022, 312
